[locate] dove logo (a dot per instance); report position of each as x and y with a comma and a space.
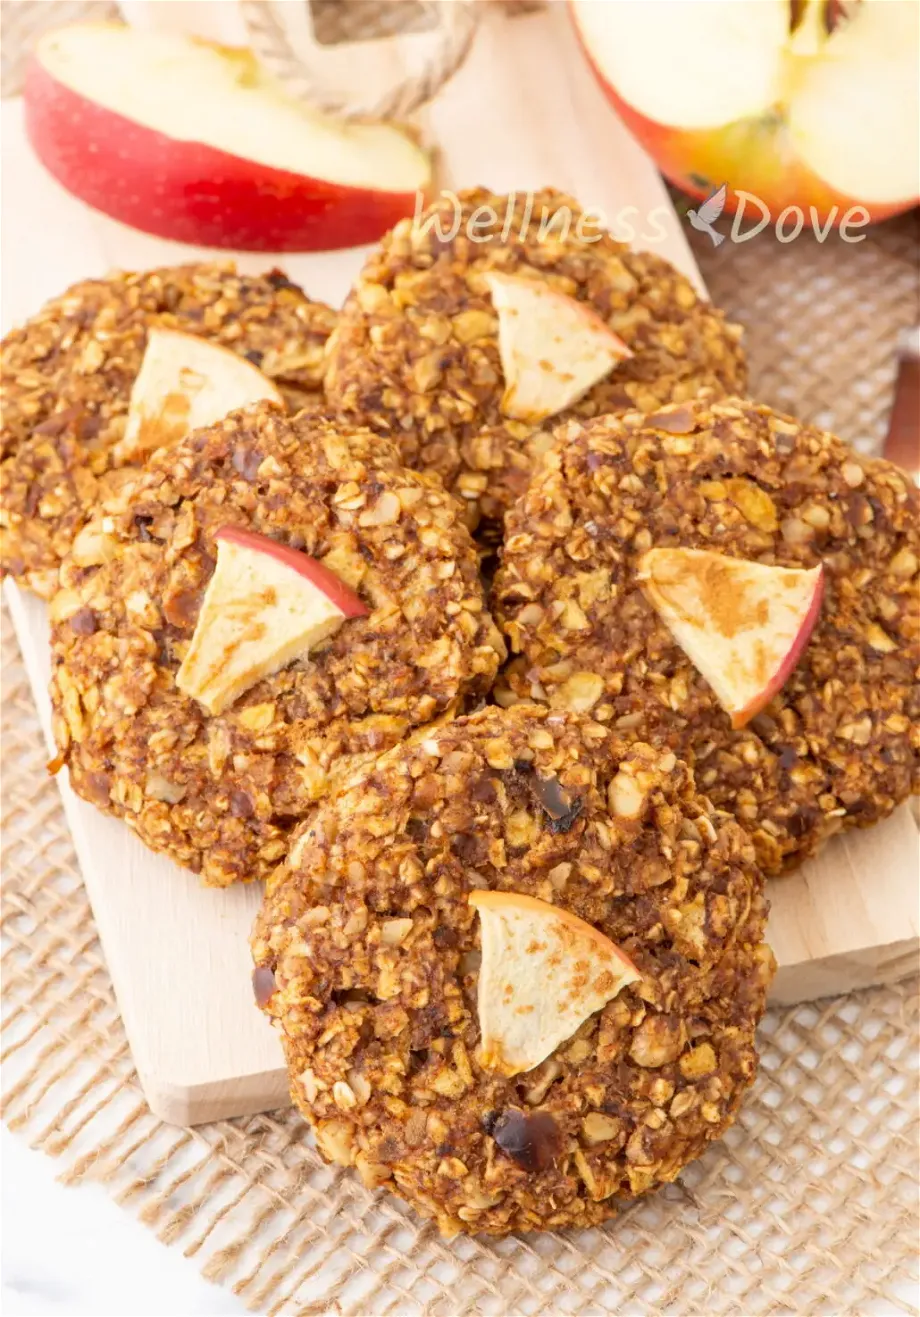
789, 223
704, 218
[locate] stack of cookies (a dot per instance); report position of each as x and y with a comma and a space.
491, 626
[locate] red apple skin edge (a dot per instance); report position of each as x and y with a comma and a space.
191, 192
743, 716
345, 600
746, 154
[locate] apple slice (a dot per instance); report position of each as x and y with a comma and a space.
186, 382
743, 625
265, 605
196, 142
553, 348
543, 972
807, 104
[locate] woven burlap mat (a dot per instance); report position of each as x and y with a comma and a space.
809, 1205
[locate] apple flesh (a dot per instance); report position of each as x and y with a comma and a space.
195, 142
544, 971
184, 383
814, 104
266, 605
743, 625
553, 348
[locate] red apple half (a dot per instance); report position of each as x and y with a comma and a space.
265, 606
196, 142
808, 103
743, 625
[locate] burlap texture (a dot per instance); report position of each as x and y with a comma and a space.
808, 1206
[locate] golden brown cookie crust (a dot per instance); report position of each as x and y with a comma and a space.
366, 952
220, 794
415, 353
838, 746
67, 376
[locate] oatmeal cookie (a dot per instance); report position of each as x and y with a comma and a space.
221, 793
67, 376
837, 747
416, 353
368, 954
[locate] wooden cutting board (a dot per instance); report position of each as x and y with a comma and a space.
523, 113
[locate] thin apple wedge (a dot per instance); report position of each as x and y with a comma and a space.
265, 605
553, 348
184, 383
743, 625
196, 142
543, 972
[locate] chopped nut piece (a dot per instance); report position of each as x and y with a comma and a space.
626, 797
753, 503
581, 692
394, 932
343, 1095
598, 1128
698, 1061
335, 1140
658, 1040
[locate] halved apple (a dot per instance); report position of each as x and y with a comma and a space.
743, 625
186, 382
553, 348
266, 605
196, 142
808, 103
543, 972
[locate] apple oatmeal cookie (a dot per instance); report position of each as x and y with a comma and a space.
837, 745
185, 700
517, 967
417, 353
67, 375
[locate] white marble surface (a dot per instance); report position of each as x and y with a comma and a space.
73, 1252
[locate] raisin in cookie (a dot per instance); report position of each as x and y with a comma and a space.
67, 376
417, 355
212, 743
395, 952
838, 744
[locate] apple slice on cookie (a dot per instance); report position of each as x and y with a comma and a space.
186, 382
265, 605
553, 349
743, 625
543, 972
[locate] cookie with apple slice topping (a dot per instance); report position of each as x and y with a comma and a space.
745, 587
517, 966
70, 435
478, 326
275, 601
